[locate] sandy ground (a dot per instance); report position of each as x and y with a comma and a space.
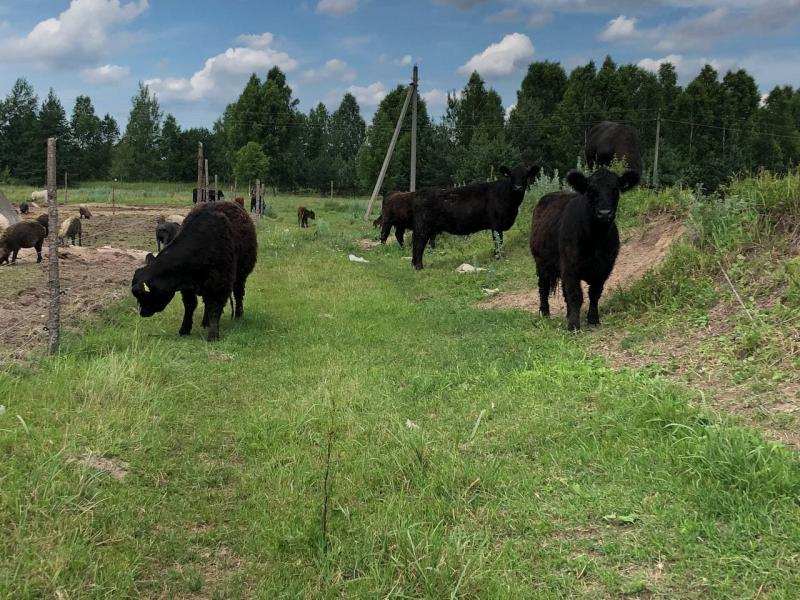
641, 251
115, 243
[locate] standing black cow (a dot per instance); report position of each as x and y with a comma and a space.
469, 209
574, 238
608, 140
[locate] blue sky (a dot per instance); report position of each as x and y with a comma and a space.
196, 55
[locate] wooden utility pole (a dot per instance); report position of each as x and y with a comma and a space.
258, 197
200, 164
216, 186
389, 153
655, 157
331, 189
414, 102
54, 319
205, 186
66, 188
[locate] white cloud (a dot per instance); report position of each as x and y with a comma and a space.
223, 75
435, 98
336, 7
404, 61
620, 29
81, 35
370, 95
654, 64
256, 40
511, 53
687, 68
105, 74
335, 68
509, 110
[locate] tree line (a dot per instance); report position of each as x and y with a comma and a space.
710, 129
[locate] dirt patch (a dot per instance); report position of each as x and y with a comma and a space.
115, 243
118, 469
642, 250
367, 244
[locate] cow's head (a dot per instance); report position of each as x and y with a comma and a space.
150, 296
602, 189
521, 177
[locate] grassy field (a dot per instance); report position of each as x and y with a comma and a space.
467, 453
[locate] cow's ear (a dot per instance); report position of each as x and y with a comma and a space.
533, 172
505, 171
149, 259
578, 181
629, 180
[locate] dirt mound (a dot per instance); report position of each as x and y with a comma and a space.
91, 278
642, 250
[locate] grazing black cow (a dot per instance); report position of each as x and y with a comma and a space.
397, 211
465, 210
303, 215
608, 140
211, 257
574, 238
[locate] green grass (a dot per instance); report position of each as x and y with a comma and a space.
473, 453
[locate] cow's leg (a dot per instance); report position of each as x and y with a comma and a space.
214, 308
573, 296
189, 304
418, 242
80, 238
595, 291
386, 229
158, 244
545, 284
498, 251
400, 234
238, 296
206, 314
39, 251
14, 256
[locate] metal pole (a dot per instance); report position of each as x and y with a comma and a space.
389, 153
655, 158
199, 171
414, 101
54, 319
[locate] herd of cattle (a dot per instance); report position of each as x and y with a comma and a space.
573, 237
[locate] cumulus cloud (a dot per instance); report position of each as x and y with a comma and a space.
335, 68
404, 61
505, 57
81, 35
105, 74
370, 95
223, 75
336, 7
256, 40
620, 29
687, 68
435, 98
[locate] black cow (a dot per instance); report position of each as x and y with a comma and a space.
26, 234
608, 140
212, 195
574, 238
211, 257
468, 209
397, 211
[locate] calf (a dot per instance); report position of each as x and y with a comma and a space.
608, 140
574, 238
44, 221
27, 234
84, 212
211, 257
303, 215
24, 208
166, 232
469, 209
71, 228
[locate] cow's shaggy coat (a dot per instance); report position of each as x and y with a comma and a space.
303, 215
211, 257
27, 234
608, 140
574, 238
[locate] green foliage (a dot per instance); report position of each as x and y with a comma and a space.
251, 163
137, 157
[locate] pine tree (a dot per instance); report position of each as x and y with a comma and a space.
22, 146
138, 156
348, 131
87, 142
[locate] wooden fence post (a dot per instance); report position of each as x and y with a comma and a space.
200, 171
54, 283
